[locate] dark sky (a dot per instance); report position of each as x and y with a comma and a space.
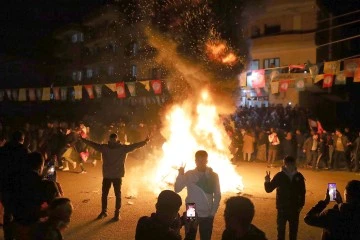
24, 23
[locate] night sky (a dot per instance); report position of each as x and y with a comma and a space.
25, 23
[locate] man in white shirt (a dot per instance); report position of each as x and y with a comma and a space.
203, 189
273, 148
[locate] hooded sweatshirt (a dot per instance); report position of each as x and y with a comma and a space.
290, 189
342, 222
114, 156
203, 189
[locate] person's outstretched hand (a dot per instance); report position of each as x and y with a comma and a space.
267, 177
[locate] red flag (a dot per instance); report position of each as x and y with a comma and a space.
320, 129
258, 78
156, 86
120, 90
284, 85
328, 80
90, 91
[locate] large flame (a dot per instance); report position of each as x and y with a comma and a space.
191, 127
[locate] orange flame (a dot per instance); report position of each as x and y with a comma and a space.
221, 53
187, 132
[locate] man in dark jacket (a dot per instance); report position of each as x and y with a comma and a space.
114, 155
290, 196
239, 212
165, 223
342, 222
12, 158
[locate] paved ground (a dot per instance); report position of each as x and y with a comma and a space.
85, 193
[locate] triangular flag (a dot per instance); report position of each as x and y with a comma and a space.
56, 92
8, 94
340, 78
2, 94
112, 86
39, 93
98, 90
90, 91
146, 84
156, 86
284, 85
78, 92
332, 67
63, 93
314, 71
357, 74
350, 66
300, 84
274, 75
242, 79
132, 88
15, 94
46, 94
318, 78
32, 96
22, 94
328, 80
274, 87
120, 90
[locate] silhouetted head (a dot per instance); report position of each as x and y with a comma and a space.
289, 163
113, 138
168, 204
18, 137
35, 162
239, 212
352, 192
59, 212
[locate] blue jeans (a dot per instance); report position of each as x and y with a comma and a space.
205, 225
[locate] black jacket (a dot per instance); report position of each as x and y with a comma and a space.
342, 222
290, 191
253, 234
150, 228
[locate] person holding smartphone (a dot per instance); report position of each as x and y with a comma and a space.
290, 196
342, 222
203, 190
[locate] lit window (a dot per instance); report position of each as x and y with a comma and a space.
133, 70
74, 76
111, 70
79, 75
81, 37
134, 49
74, 38
89, 73
271, 62
254, 65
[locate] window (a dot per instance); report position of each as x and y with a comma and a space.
81, 37
111, 70
255, 64
271, 62
74, 76
272, 29
89, 73
79, 75
74, 38
133, 70
134, 48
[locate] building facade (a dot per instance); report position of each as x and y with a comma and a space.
282, 35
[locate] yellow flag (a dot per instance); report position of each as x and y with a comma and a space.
22, 94
318, 78
112, 86
46, 94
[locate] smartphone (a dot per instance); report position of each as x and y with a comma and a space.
332, 191
190, 211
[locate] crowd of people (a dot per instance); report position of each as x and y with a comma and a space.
34, 206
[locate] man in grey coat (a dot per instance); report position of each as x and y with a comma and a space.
114, 155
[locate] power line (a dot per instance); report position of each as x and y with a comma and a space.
340, 25
338, 16
341, 40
